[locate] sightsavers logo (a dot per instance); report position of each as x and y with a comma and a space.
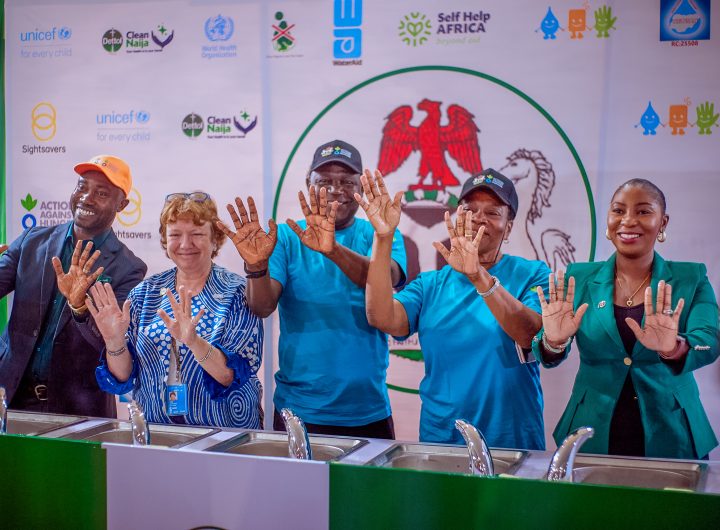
219, 127
137, 41
218, 30
684, 20
347, 32
43, 125
46, 43
123, 127
132, 213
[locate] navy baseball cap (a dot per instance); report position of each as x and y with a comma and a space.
497, 183
340, 152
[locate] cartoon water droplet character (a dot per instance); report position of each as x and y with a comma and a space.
649, 120
577, 23
549, 25
678, 119
706, 117
685, 19
604, 21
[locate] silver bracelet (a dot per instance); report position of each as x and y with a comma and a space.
116, 353
492, 289
207, 355
553, 349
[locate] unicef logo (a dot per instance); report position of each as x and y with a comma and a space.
192, 125
219, 28
142, 116
65, 33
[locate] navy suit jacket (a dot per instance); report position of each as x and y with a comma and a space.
26, 269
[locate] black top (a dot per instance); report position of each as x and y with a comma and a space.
627, 436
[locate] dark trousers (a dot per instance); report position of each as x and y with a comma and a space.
383, 429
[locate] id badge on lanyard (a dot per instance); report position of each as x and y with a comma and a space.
176, 392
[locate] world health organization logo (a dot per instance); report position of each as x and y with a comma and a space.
219, 28
44, 121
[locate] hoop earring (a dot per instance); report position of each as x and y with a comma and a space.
607, 235
661, 237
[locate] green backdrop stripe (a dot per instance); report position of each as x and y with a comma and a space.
517, 91
369, 497
3, 205
52, 483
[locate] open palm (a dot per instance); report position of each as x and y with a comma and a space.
382, 211
560, 322
252, 242
463, 253
111, 321
319, 233
74, 284
660, 329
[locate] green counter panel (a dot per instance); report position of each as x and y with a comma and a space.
50, 483
369, 497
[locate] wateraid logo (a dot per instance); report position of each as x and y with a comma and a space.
347, 33
63, 33
219, 28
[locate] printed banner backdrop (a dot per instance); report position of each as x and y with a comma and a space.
569, 99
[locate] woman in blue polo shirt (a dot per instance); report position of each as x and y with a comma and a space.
475, 317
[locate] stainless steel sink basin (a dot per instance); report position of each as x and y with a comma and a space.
613, 471
324, 448
35, 423
444, 458
120, 432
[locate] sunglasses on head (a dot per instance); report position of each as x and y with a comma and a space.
196, 196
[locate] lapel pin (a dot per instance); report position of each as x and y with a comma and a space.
601, 304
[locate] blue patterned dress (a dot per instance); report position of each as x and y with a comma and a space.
227, 324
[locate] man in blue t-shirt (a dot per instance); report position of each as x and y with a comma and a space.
475, 317
332, 362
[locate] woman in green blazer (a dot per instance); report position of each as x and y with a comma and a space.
635, 385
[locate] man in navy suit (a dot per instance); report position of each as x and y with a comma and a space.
50, 349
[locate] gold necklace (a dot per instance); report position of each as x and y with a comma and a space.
629, 301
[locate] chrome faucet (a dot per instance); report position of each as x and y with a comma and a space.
561, 465
298, 441
3, 411
140, 430
480, 458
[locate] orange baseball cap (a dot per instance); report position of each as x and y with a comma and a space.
115, 169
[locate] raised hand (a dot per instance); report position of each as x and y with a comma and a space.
252, 243
74, 284
382, 211
660, 330
319, 235
182, 327
463, 253
560, 322
112, 322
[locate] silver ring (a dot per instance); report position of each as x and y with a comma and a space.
669, 312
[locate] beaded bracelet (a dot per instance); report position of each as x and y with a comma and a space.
553, 349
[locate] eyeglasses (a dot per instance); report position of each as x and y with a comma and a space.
197, 196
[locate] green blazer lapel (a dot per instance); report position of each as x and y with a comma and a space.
660, 271
601, 294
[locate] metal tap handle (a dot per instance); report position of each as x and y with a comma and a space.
140, 429
561, 465
480, 458
3, 411
298, 440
